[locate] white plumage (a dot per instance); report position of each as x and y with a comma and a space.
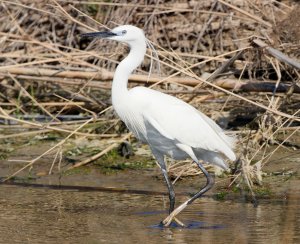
170, 126
156, 115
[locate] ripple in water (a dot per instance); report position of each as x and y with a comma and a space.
192, 224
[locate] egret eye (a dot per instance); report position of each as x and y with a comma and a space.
124, 32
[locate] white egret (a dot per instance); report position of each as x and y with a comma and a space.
168, 125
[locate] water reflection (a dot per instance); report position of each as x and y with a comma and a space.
68, 216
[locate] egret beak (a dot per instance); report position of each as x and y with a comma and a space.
101, 34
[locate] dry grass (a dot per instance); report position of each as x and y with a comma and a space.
47, 70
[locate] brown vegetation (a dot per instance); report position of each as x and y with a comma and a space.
236, 58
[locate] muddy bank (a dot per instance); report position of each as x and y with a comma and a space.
139, 174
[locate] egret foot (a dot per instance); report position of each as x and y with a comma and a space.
177, 221
167, 221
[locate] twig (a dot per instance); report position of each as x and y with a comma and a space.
32, 98
31, 162
246, 13
98, 155
43, 126
277, 54
225, 66
27, 133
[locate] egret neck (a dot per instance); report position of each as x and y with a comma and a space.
123, 71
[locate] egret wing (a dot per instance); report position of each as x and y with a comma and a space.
176, 119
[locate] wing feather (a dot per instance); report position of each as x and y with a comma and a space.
176, 119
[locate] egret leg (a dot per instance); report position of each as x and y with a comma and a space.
171, 195
160, 160
170, 189
209, 184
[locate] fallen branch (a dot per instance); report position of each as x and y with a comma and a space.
58, 80
53, 76
104, 75
257, 86
277, 54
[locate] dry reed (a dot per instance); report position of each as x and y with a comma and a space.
45, 65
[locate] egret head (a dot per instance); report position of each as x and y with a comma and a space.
124, 33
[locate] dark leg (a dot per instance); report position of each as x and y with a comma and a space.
209, 183
171, 191
170, 188
160, 159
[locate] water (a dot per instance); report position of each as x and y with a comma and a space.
39, 215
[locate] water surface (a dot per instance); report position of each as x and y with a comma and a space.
41, 215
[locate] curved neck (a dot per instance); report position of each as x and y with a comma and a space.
125, 68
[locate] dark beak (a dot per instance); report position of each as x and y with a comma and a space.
102, 34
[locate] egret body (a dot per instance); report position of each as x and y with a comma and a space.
168, 125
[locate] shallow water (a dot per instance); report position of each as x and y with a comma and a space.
39, 215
